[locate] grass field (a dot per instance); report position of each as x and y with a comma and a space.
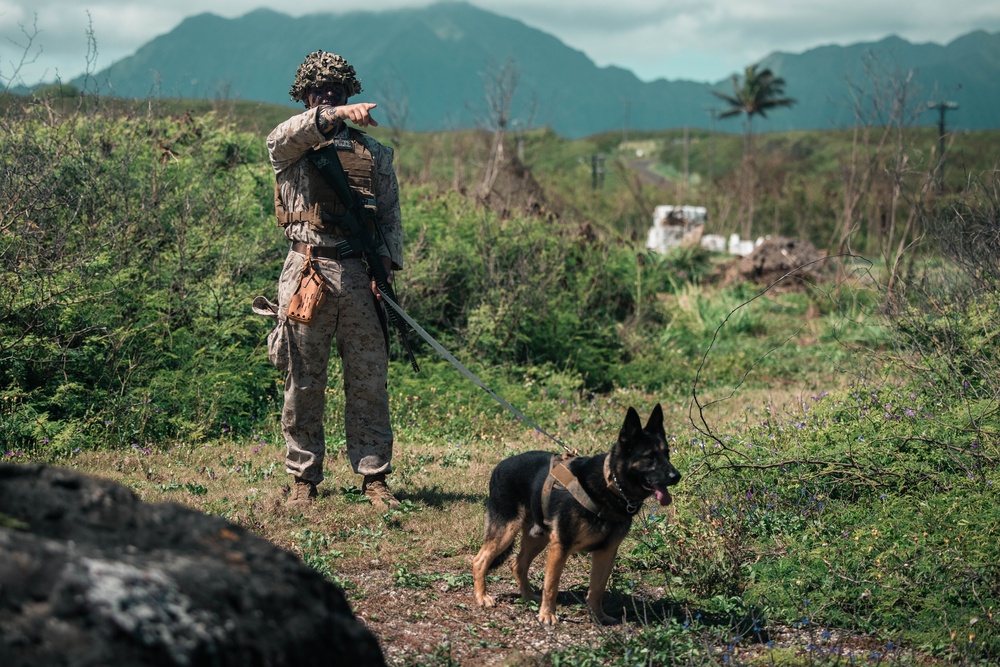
838, 439
819, 521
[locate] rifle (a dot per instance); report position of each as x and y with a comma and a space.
360, 239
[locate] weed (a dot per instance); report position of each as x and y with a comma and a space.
195, 489
316, 550
404, 578
440, 656
354, 495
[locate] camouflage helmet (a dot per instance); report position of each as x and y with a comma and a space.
321, 67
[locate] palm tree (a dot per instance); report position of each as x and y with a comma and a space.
758, 93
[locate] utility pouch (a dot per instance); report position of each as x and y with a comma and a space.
309, 295
277, 340
277, 346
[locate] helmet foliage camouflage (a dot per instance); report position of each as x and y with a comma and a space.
321, 67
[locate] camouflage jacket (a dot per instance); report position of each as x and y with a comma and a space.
289, 143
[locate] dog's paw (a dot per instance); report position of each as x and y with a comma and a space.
486, 601
604, 619
547, 617
530, 595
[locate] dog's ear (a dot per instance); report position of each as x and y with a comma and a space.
631, 428
655, 423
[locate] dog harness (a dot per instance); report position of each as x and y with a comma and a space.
559, 473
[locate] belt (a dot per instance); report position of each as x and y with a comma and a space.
326, 252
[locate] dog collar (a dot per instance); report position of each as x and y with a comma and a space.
609, 474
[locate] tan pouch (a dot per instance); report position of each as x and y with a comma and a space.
308, 296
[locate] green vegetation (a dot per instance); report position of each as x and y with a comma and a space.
838, 439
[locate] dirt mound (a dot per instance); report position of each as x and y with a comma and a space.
516, 192
795, 263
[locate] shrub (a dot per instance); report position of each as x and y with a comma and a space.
130, 252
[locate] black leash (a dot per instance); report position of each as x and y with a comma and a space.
465, 371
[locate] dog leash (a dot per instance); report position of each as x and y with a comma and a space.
465, 371
563, 476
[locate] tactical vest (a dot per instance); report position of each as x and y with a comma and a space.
359, 166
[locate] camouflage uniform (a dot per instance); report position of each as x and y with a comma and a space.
348, 315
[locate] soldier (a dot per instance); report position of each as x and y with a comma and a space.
348, 310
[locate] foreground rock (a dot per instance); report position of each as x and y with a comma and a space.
90, 575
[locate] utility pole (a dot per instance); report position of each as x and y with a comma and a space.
687, 170
625, 120
596, 170
713, 113
942, 108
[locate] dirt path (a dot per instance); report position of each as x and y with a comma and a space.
416, 623
438, 624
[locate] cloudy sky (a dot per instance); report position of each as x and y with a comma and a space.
701, 40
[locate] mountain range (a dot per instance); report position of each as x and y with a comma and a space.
436, 63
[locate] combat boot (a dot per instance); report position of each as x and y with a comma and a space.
378, 493
303, 494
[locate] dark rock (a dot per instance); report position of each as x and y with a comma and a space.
90, 575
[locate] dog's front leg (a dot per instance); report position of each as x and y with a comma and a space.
554, 564
601, 564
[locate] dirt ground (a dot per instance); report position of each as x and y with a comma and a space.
440, 625
414, 625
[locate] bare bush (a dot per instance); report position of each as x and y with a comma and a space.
967, 231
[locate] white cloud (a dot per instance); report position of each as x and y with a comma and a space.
704, 40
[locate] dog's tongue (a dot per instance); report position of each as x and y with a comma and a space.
662, 495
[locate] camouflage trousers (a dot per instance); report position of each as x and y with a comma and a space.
349, 318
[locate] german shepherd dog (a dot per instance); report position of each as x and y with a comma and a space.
572, 504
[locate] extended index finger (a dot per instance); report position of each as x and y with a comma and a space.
368, 107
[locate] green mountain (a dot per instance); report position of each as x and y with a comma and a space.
834, 85
436, 62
